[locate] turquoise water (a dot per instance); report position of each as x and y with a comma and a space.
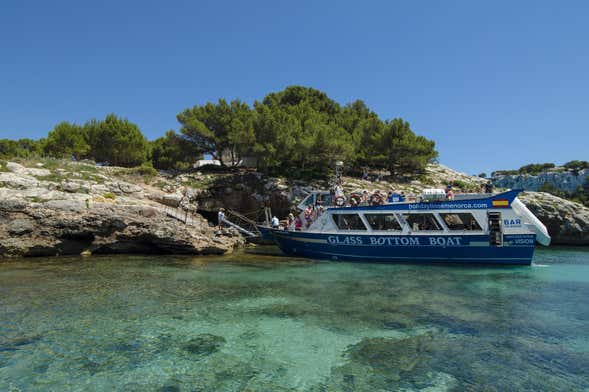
255, 322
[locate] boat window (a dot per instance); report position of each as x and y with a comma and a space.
324, 200
348, 222
422, 222
383, 221
461, 221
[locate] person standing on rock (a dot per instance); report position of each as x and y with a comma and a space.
221, 217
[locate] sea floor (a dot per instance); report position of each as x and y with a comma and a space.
260, 322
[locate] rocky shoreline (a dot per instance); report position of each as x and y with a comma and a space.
53, 212
60, 208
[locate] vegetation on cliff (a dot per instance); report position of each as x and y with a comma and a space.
550, 178
537, 168
299, 131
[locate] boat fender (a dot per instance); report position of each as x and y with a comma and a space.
340, 201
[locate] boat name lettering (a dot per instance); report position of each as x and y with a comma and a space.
394, 241
445, 241
347, 240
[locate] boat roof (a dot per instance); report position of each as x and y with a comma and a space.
477, 202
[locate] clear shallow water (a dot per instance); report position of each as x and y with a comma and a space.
261, 323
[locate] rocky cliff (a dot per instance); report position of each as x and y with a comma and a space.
566, 221
565, 180
79, 208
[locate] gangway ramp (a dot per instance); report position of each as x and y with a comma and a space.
241, 223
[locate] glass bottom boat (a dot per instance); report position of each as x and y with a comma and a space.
469, 229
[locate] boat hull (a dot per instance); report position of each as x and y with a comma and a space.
463, 249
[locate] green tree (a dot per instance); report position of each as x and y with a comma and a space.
576, 165
173, 152
393, 146
224, 130
536, 168
21, 148
294, 96
116, 141
407, 152
298, 131
276, 133
67, 140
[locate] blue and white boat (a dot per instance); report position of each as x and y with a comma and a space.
466, 229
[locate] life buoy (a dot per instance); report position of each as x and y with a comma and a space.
376, 198
340, 201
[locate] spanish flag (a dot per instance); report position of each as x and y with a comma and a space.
500, 203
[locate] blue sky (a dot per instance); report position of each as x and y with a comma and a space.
496, 84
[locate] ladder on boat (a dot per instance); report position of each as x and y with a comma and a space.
495, 230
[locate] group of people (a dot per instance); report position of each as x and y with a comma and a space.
302, 221
376, 199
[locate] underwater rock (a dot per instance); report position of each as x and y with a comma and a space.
13, 344
204, 344
386, 353
170, 388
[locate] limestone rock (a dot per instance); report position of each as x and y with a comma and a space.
567, 222
15, 167
20, 226
566, 180
70, 186
18, 181
38, 219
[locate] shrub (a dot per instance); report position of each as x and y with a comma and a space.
536, 168
577, 165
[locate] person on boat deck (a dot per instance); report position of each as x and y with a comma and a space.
449, 192
298, 224
290, 221
320, 211
376, 199
221, 217
275, 222
488, 187
365, 199
473, 225
308, 215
